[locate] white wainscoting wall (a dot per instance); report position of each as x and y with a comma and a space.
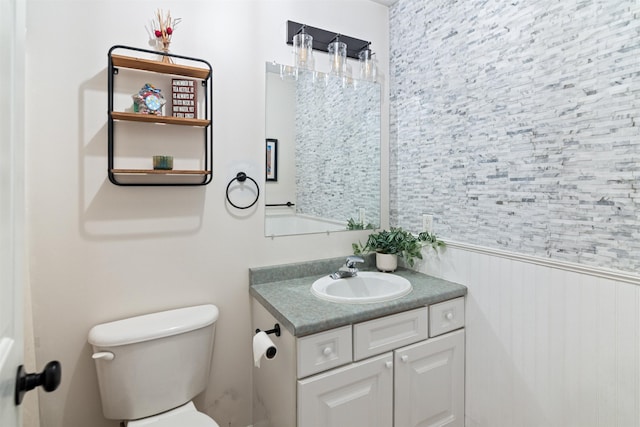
548, 343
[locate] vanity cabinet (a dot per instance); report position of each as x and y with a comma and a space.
401, 370
134, 137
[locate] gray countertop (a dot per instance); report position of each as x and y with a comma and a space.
285, 292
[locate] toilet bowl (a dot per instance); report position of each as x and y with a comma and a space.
150, 367
184, 416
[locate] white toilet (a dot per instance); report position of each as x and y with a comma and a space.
150, 367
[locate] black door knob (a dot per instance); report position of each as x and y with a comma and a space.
49, 379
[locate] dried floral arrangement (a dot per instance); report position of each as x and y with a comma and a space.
161, 31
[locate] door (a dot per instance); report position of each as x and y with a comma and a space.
429, 382
358, 395
11, 204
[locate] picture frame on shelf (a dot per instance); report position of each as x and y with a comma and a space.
272, 159
184, 98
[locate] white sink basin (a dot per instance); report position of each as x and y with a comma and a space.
364, 288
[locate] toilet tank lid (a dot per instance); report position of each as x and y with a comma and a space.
152, 326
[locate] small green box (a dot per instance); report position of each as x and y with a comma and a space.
163, 162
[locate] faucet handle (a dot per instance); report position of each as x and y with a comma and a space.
352, 260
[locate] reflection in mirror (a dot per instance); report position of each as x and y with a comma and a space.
328, 152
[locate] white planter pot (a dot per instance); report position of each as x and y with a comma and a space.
386, 262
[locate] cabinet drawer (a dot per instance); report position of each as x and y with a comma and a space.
388, 333
446, 316
325, 350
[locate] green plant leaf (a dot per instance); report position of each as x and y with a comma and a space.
399, 242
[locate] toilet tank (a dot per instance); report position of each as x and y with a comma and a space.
153, 363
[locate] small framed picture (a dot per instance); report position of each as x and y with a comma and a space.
272, 159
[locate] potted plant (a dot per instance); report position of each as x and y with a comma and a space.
352, 224
388, 245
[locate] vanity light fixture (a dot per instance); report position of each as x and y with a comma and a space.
322, 38
305, 39
368, 67
337, 56
303, 49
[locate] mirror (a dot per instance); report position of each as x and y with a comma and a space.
322, 152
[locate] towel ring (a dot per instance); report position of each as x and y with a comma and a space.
242, 177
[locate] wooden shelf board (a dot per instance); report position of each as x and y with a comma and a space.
150, 118
159, 67
159, 172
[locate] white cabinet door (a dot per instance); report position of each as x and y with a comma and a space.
429, 382
358, 395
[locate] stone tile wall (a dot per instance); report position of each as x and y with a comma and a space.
517, 124
337, 148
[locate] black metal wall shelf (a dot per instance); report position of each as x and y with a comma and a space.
154, 177
322, 38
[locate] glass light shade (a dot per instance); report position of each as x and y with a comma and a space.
338, 57
288, 72
347, 79
368, 67
320, 79
303, 51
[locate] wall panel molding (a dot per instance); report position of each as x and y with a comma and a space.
545, 345
618, 276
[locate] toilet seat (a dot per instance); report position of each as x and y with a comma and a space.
184, 416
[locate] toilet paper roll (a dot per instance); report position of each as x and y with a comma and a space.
262, 346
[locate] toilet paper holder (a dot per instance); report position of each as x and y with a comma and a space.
275, 330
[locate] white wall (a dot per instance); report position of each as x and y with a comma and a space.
547, 343
98, 252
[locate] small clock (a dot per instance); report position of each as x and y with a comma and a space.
153, 102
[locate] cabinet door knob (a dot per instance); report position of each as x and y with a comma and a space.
326, 351
404, 358
389, 364
449, 315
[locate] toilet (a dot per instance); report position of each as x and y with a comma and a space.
150, 367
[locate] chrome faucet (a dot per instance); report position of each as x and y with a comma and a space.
348, 269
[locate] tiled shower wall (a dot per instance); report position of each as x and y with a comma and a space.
517, 124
